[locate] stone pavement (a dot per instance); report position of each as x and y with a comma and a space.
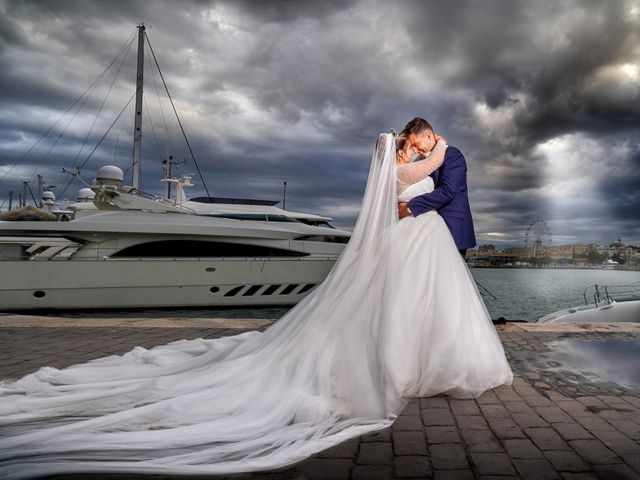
551, 423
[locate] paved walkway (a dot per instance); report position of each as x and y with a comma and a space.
551, 423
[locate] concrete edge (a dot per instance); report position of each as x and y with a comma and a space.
36, 321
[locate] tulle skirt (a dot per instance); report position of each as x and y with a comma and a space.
398, 319
439, 337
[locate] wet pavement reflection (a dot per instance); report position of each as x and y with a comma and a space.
614, 360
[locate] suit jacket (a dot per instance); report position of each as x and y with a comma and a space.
450, 198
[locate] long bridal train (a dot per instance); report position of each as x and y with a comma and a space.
399, 315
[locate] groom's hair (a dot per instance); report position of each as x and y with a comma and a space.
417, 125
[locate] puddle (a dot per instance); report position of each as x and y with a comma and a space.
598, 360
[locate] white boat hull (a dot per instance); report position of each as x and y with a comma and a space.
615, 312
151, 283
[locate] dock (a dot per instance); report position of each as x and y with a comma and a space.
550, 424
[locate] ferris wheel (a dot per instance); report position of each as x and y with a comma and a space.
538, 237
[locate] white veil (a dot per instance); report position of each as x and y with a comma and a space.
253, 401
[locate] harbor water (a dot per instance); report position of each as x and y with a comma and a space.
528, 294
521, 294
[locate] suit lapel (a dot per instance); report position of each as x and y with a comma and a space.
435, 175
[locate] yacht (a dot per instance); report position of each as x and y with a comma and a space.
130, 250
119, 247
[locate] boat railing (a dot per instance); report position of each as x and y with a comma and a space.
602, 295
150, 196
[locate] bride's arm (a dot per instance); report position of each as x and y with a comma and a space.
413, 172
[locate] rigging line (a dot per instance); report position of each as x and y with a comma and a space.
35, 202
153, 130
117, 74
164, 119
124, 55
486, 290
95, 82
125, 50
64, 131
107, 132
195, 162
130, 163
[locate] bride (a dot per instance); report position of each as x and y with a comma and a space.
398, 316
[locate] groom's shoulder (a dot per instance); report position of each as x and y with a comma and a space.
454, 152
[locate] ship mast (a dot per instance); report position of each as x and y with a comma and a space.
137, 129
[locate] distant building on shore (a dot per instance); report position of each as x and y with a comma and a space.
567, 256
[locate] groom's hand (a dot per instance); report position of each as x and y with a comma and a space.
403, 210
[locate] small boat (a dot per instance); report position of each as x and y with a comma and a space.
617, 303
612, 312
609, 265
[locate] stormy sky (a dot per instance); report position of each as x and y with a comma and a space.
543, 98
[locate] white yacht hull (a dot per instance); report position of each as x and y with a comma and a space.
150, 283
614, 312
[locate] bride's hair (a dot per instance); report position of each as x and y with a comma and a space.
401, 141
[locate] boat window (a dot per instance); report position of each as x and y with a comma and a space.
201, 248
234, 291
271, 289
316, 223
255, 217
235, 201
307, 287
280, 218
252, 290
12, 251
39, 249
67, 252
289, 288
323, 238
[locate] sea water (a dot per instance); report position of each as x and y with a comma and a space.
528, 294
521, 294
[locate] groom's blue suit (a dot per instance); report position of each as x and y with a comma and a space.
450, 199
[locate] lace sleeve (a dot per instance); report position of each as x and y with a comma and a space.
410, 173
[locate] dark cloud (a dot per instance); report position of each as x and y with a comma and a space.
285, 11
542, 98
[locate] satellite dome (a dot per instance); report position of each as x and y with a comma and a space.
109, 175
48, 195
85, 195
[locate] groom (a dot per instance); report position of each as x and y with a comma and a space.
449, 198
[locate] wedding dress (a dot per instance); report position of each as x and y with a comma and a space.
398, 316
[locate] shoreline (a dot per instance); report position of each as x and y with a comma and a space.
503, 267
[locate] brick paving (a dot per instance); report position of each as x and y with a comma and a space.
552, 423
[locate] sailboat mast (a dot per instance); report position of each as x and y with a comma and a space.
137, 129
